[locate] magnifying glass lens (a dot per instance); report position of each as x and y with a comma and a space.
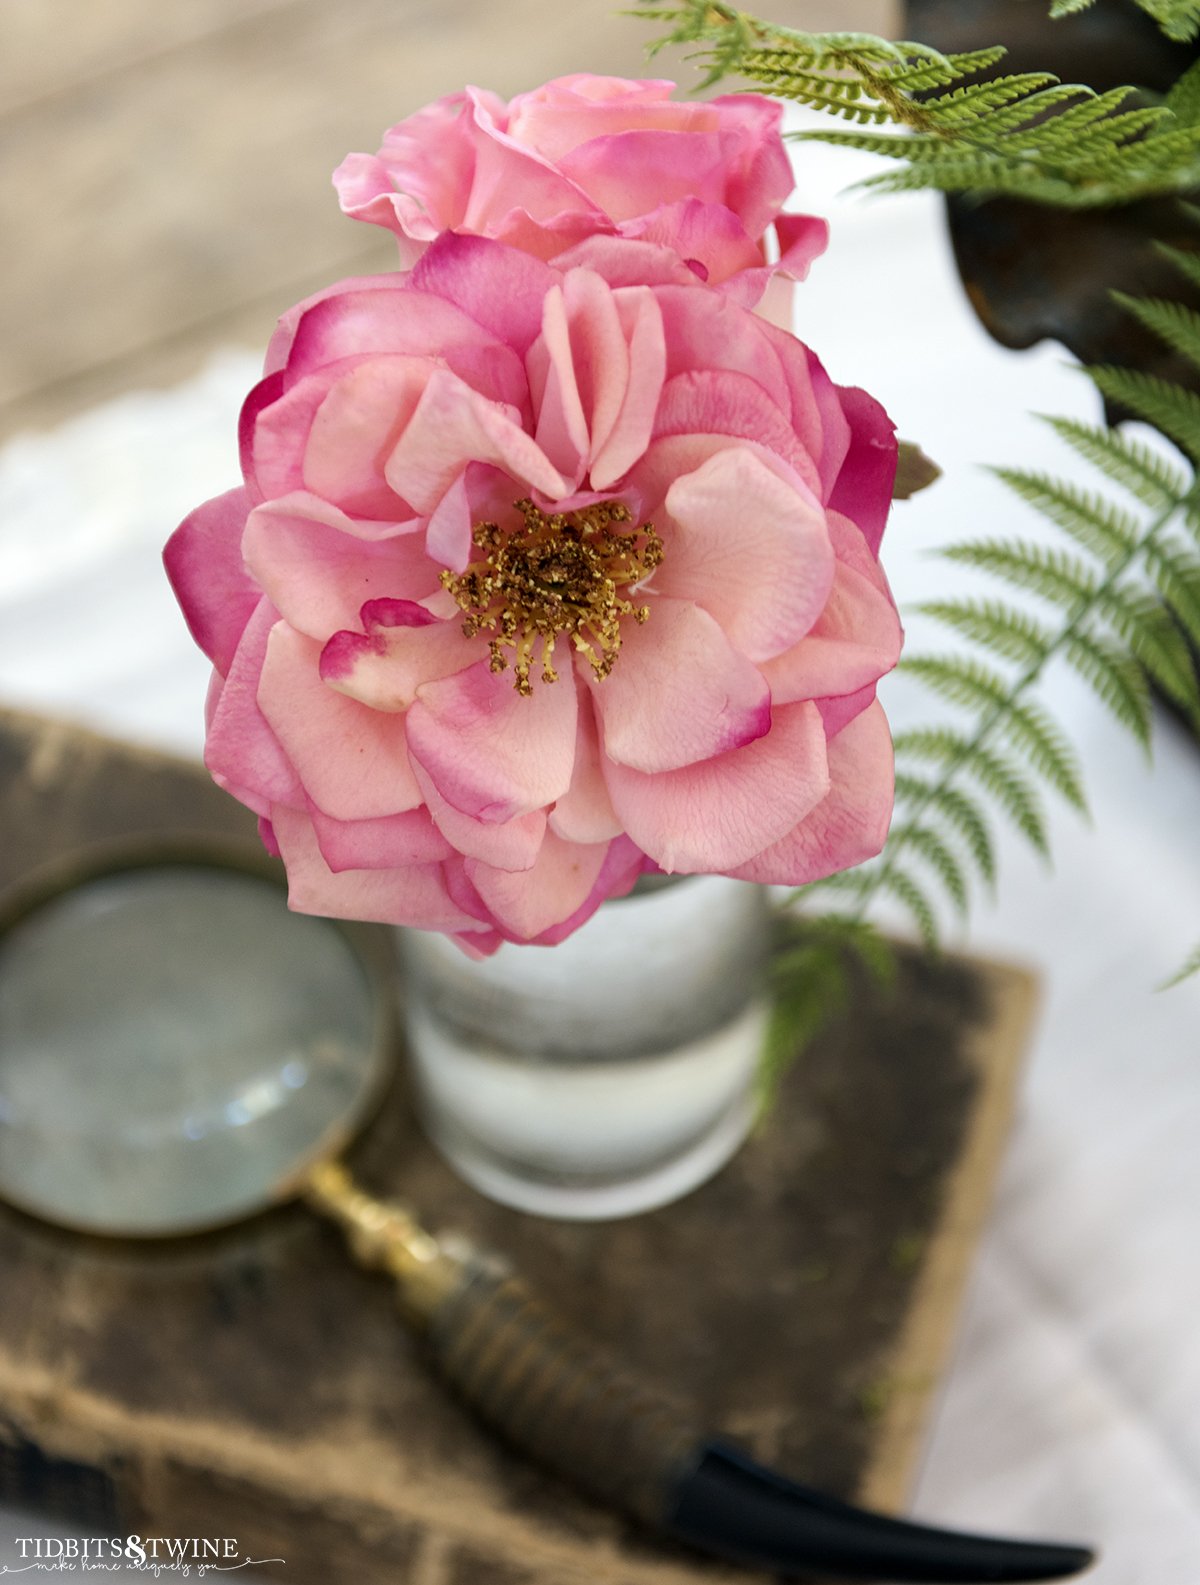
174, 1045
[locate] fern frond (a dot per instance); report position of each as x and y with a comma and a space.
1022, 134
956, 753
930, 846
1043, 570
1116, 678
1171, 322
1106, 531
962, 681
1185, 971
1178, 19
958, 811
1156, 642
1170, 408
993, 625
811, 976
912, 897
1127, 462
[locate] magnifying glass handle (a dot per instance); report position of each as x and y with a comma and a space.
566, 1403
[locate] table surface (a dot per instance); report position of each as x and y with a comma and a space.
1070, 1407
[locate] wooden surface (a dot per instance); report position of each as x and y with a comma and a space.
164, 167
255, 1384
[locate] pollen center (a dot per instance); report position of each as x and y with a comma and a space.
555, 576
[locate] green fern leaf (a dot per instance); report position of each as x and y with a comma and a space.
1156, 642
1177, 579
932, 848
1127, 462
1171, 322
997, 776
1001, 628
954, 752
1185, 971
1106, 531
907, 892
958, 811
1043, 570
961, 680
1116, 679
1170, 408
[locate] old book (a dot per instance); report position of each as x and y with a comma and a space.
255, 1385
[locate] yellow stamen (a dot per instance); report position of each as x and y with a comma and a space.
552, 576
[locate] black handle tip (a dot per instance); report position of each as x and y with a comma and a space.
729, 1505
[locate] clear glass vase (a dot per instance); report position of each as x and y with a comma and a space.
606, 1075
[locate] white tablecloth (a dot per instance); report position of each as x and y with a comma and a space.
1071, 1407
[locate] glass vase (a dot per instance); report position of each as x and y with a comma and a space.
606, 1075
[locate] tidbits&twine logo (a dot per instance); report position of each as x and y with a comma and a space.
153, 1555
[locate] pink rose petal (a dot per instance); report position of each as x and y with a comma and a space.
679, 692
850, 824
318, 572
713, 816
369, 776
203, 561
415, 895
753, 550
491, 753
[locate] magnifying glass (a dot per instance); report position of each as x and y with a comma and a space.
178, 1051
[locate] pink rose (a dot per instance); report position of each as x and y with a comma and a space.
566, 170
535, 583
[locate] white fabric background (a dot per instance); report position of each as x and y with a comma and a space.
1071, 1407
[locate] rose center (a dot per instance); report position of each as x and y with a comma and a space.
552, 577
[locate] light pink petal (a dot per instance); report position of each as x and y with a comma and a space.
512, 845
716, 815
354, 430
850, 824
708, 332
534, 900
628, 173
318, 572
802, 239
274, 430
571, 110
750, 548
203, 561
391, 842
679, 692
838, 711
499, 287
615, 450
714, 403
626, 261
279, 350
704, 234
352, 760
508, 174
618, 875
585, 813
451, 428
240, 749
414, 895
419, 183
365, 192
671, 456
373, 317
758, 171
491, 753
856, 639
562, 427
400, 648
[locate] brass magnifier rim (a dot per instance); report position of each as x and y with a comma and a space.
369, 946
